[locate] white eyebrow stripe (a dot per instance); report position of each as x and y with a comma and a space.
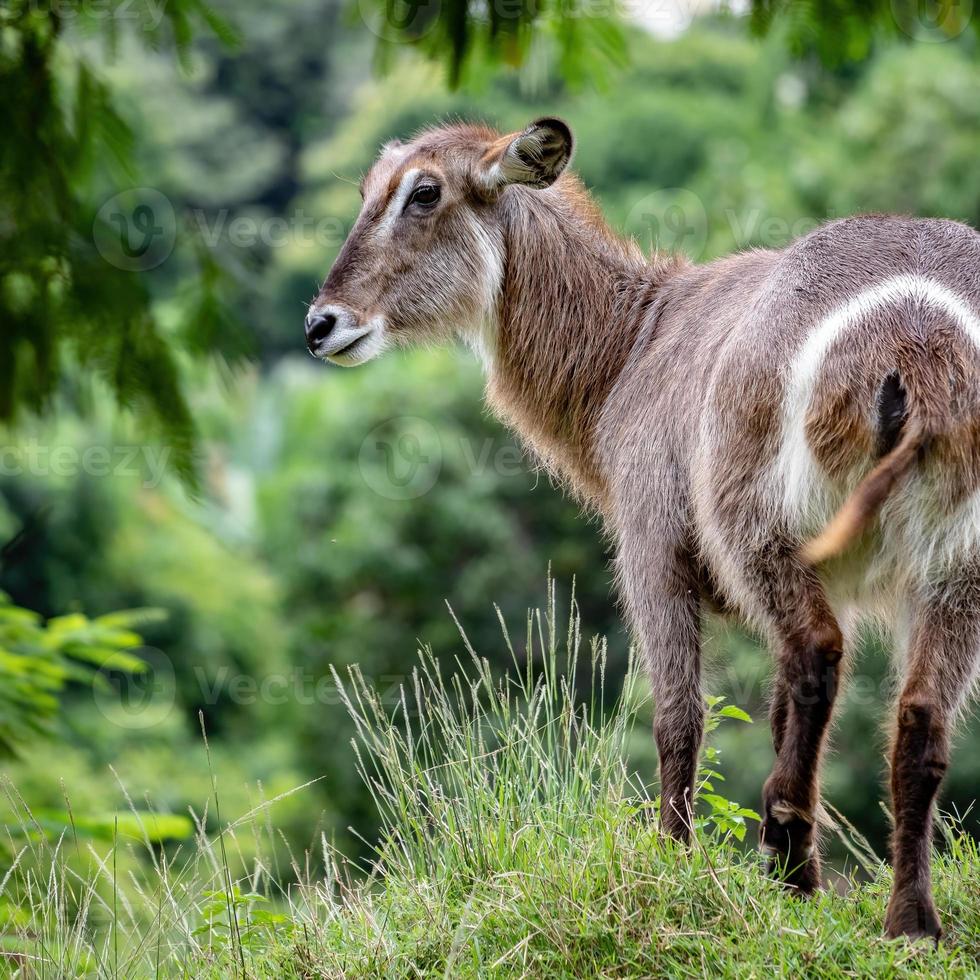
397, 202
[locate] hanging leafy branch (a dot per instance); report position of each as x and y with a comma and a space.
585, 39
843, 31
580, 41
77, 248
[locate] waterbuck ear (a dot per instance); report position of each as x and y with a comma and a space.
535, 157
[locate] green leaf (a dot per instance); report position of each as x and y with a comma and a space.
718, 802
731, 711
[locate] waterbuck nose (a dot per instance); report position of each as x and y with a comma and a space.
318, 327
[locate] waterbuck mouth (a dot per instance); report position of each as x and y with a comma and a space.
352, 346
333, 332
348, 355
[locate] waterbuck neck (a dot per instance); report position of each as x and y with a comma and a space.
571, 305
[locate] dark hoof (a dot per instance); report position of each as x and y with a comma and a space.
788, 840
912, 919
801, 879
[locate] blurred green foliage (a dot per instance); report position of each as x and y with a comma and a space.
70, 304
840, 33
38, 660
586, 41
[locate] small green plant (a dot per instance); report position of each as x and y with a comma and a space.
724, 816
235, 916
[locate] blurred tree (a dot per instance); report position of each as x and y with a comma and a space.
226, 146
839, 31
576, 40
107, 542
907, 139
71, 293
583, 42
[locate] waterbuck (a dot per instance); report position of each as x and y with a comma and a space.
790, 437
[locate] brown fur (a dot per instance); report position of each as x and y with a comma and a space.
663, 393
863, 505
551, 375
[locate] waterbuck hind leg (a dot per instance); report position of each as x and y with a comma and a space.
809, 647
941, 663
778, 712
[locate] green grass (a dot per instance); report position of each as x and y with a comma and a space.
516, 844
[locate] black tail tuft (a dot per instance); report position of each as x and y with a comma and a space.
892, 412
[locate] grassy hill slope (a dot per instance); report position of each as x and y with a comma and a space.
516, 844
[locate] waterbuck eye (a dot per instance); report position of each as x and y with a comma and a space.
425, 195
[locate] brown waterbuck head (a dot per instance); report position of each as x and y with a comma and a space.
424, 260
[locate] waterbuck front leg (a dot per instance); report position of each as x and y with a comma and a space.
662, 594
809, 647
941, 663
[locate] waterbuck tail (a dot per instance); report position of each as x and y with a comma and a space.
902, 439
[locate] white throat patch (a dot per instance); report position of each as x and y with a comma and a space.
481, 335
